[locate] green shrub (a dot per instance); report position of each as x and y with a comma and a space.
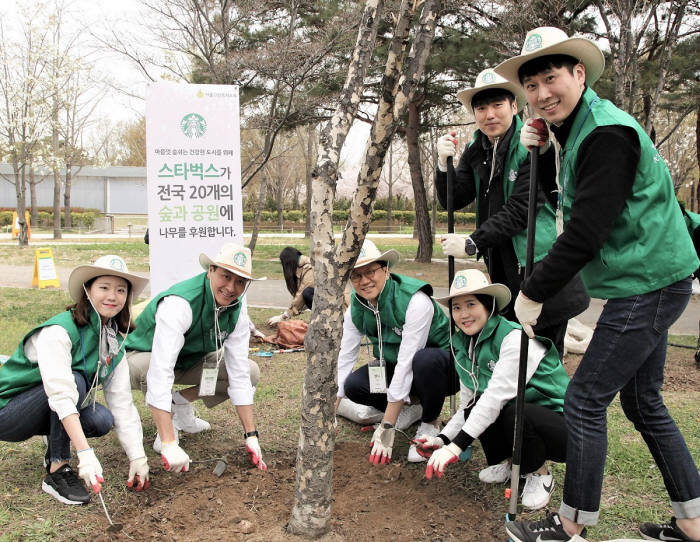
295, 216
5, 218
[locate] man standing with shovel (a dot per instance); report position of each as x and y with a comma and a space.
621, 227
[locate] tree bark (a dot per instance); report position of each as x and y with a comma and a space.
420, 198
33, 206
258, 211
67, 222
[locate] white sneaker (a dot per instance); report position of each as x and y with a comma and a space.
423, 429
157, 446
185, 420
409, 415
496, 474
538, 488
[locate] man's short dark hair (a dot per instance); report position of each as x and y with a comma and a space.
491, 95
544, 63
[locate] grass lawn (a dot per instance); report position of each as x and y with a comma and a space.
633, 490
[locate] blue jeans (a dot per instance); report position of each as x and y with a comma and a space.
28, 414
627, 354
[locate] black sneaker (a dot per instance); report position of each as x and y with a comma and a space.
548, 529
65, 486
666, 532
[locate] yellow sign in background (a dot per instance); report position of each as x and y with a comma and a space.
15, 225
44, 269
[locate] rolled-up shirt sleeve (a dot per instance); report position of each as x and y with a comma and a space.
173, 318
349, 351
50, 348
240, 390
414, 336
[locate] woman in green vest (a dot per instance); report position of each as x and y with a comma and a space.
487, 353
48, 386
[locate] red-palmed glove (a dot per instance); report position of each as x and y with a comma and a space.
426, 445
382, 444
174, 458
446, 147
252, 446
90, 470
441, 458
138, 474
535, 133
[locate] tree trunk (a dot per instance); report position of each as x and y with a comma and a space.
258, 212
420, 199
390, 182
21, 194
279, 196
67, 222
309, 169
33, 206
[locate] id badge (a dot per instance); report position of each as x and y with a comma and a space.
90, 398
377, 376
207, 385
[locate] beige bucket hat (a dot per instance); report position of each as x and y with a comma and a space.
110, 264
473, 281
490, 79
548, 40
235, 258
370, 253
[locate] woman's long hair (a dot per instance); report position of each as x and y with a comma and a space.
290, 261
82, 309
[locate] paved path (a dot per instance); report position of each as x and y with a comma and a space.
273, 294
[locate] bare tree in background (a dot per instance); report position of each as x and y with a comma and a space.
332, 264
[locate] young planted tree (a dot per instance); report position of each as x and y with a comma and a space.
414, 24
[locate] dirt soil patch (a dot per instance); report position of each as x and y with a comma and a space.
388, 503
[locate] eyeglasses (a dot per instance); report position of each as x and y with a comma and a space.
357, 276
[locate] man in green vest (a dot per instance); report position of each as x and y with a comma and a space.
494, 171
621, 228
197, 333
410, 345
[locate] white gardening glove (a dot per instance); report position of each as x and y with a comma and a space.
426, 445
252, 446
90, 470
174, 458
277, 319
441, 458
535, 133
382, 443
527, 312
453, 245
257, 334
138, 474
446, 146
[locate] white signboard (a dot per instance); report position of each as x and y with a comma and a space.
193, 177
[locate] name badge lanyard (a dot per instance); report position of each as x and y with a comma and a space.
210, 369
567, 160
376, 368
112, 351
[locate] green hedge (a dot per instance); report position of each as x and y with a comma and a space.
341, 215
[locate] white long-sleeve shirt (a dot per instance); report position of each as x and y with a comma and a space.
502, 387
414, 336
173, 318
50, 348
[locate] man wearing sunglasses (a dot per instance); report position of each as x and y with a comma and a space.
410, 345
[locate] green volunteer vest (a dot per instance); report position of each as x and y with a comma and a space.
199, 338
546, 387
648, 247
545, 226
18, 374
392, 305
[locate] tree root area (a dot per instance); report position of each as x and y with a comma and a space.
386, 503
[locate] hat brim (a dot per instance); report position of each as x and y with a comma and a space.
391, 257
205, 261
83, 273
587, 52
499, 291
465, 96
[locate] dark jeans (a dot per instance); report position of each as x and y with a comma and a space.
627, 354
544, 437
431, 370
28, 414
308, 295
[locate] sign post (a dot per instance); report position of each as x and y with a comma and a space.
45, 275
193, 176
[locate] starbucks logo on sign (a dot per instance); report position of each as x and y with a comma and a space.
117, 264
362, 253
533, 43
193, 125
460, 282
488, 78
512, 175
240, 259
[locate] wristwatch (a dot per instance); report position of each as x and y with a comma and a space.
387, 425
469, 247
250, 434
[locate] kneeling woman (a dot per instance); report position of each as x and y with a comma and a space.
487, 352
299, 278
48, 386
